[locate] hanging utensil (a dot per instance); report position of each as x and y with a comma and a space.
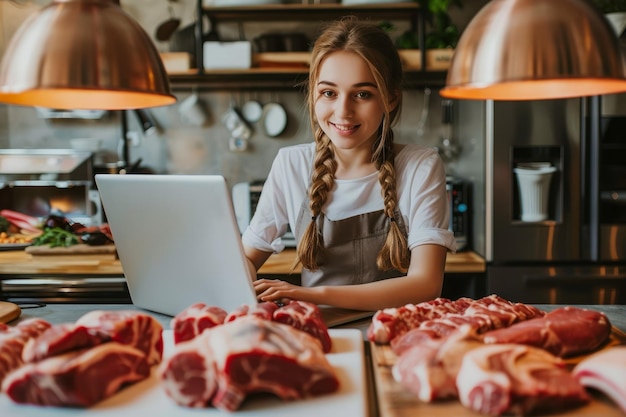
421, 127
166, 29
274, 118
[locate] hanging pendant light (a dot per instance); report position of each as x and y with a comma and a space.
83, 54
536, 49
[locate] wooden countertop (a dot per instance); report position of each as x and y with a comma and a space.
18, 262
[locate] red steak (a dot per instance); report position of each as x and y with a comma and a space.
516, 379
12, 342
129, 327
566, 331
68, 379
224, 364
193, 320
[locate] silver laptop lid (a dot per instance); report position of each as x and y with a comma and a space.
177, 240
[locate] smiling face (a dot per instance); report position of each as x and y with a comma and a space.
348, 106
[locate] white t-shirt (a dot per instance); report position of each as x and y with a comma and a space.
421, 188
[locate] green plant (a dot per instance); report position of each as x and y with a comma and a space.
441, 31
610, 6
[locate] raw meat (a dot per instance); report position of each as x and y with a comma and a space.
195, 319
482, 315
306, 317
605, 371
564, 332
429, 369
298, 314
516, 379
129, 327
70, 379
61, 338
12, 342
264, 310
389, 323
224, 364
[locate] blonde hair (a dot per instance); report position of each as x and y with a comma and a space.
376, 48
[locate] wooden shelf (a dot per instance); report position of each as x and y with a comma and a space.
284, 12
280, 78
286, 77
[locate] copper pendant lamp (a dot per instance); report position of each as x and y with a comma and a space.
536, 49
83, 54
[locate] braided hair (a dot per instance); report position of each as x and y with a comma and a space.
376, 48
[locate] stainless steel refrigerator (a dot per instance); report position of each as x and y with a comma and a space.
560, 239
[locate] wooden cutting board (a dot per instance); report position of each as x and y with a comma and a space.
395, 401
9, 311
80, 249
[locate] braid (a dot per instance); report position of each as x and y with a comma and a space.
376, 48
395, 253
322, 181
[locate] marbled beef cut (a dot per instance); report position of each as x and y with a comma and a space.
301, 315
389, 323
79, 378
193, 320
129, 327
264, 310
306, 317
62, 338
429, 369
516, 379
224, 364
480, 316
12, 342
564, 332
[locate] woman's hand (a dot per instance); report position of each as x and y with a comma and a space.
278, 291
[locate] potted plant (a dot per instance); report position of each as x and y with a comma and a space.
442, 36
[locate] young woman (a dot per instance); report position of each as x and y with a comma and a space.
370, 216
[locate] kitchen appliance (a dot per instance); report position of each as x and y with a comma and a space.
459, 195
40, 182
574, 252
245, 197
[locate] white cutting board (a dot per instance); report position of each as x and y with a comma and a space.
148, 399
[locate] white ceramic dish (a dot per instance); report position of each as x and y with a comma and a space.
147, 398
275, 119
252, 111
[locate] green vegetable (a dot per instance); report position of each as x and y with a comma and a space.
4, 224
56, 237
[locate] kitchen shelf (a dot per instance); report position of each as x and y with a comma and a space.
287, 12
278, 79
264, 78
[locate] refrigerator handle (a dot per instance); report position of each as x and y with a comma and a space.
590, 174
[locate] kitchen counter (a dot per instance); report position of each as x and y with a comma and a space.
18, 262
61, 313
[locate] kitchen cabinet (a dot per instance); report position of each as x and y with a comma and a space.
289, 78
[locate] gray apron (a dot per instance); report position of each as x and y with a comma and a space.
350, 248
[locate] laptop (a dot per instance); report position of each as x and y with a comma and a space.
179, 243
